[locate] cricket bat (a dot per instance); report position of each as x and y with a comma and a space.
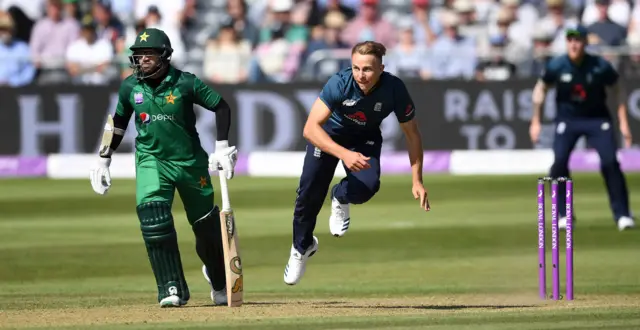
232, 261
107, 137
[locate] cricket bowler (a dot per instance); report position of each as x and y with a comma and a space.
344, 125
169, 156
583, 81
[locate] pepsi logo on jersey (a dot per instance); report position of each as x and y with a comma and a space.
146, 118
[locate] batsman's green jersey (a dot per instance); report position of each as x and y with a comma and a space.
168, 150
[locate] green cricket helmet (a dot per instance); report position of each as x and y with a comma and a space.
155, 40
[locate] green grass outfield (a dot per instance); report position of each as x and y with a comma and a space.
73, 259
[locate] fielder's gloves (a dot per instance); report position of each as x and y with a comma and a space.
101, 177
224, 158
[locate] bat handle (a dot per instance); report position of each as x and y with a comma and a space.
224, 191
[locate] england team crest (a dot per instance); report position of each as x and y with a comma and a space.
377, 107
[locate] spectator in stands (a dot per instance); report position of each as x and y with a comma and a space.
50, 39
517, 44
71, 9
33, 9
619, 11
558, 19
328, 39
172, 12
15, 67
608, 32
237, 10
23, 25
123, 51
469, 27
522, 18
280, 20
426, 25
227, 57
630, 64
542, 39
108, 26
452, 56
123, 10
89, 57
496, 67
369, 25
318, 13
407, 59
155, 19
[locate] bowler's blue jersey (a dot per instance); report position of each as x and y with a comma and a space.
580, 89
356, 114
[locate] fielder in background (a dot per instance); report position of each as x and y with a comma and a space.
582, 83
169, 156
344, 124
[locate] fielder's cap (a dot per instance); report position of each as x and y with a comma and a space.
577, 31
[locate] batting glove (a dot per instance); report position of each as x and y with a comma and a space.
100, 176
224, 159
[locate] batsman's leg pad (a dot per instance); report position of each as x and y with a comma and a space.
209, 246
161, 241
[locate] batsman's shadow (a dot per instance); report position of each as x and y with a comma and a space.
248, 303
433, 307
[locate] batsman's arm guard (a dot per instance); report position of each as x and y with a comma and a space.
111, 137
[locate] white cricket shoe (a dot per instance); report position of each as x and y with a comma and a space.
297, 264
339, 219
172, 301
218, 297
625, 223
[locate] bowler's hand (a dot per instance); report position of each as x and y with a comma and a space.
101, 177
224, 159
626, 135
355, 161
419, 192
534, 131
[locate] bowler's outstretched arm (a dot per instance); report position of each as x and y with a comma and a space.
416, 158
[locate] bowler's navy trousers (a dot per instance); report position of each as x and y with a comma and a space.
600, 136
317, 173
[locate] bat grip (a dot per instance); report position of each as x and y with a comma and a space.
224, 191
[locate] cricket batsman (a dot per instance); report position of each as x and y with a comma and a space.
169, 156
344, 124
583, 82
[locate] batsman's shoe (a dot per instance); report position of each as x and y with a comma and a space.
172, 301
297, 264
218, 297
340, 219
625, 223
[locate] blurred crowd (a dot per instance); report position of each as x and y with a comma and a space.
252, 41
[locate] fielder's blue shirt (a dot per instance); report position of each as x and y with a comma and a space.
580, 89
355, 114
